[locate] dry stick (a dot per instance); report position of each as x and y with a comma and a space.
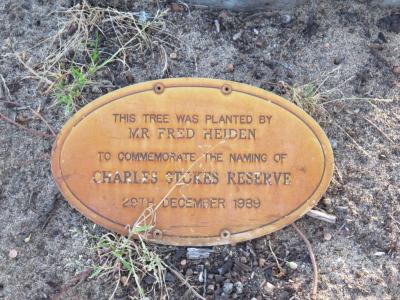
380, 130
313, 262
36, 114
49, 82
184, 281
32, 131
53, 132
321, 215
276, 259
353, 140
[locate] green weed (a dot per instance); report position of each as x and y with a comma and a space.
69, 88
129, 259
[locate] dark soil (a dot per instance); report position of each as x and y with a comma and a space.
348, 48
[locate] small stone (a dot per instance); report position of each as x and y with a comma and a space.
189, 272
256, 31
334, 143
13, 253
261, 262
286, 19
198, 253
228, 287
379, 253
27, 239
243, 260
327, 201
149, 280
173, 55
237, 36
201, 277
217, 26
239, 287
253, 298
291, 265
230, 68
183, 262
219, 278
169, 277
269, 288
396, 70
259, 44
327, 236
124, 280
210, 288
176, 7
226, 267
382, 37
338, 60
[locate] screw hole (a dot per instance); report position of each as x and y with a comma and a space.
226, 89
157, 233
158, 88
225, 234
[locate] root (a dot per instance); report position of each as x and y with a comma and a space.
314, 292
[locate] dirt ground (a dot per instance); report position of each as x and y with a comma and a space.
350, 50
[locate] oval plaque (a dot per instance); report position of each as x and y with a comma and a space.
219, 162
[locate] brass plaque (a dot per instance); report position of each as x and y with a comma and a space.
217, 161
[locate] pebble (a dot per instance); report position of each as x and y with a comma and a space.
237, 36
169, 277
176, 7
239, 287
217, 25
269, 288
338, 60
327, 201
124, 280
396, 70
327, 236
189, 272
261, 262
149, 280
286, 19
230, 68
334, 143
226, 267
183, 262
243, 259
28, 238
228, 287
13, 253
379, 253
210, 287
198, 253
173, 55
291, 265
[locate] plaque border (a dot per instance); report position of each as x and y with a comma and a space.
235, 87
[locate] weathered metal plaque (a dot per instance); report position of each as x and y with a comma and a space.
218, 162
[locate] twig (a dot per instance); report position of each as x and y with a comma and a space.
314, 293
7, 91
76, 280
53, 132
377, 128
184, 281
276, 259
353, 140
49, 82
321, 215
32, 131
